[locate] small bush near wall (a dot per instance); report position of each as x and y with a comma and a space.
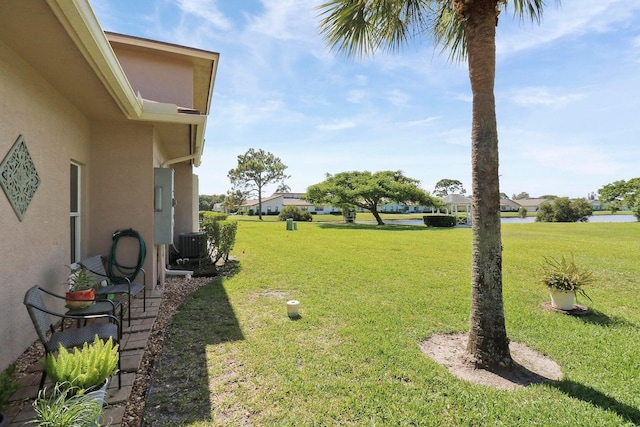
440, 220
221, 237
206, 216
294, 212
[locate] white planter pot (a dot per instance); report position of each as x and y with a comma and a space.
563, 300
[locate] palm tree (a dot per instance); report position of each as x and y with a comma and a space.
466, 29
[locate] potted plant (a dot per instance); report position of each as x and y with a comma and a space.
565, 279
84, 369
81, 288
8, 386
65, 408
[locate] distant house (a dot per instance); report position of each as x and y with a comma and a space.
508, 205
273, 204
532, 205
87, 122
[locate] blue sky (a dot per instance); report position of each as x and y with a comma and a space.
567, 92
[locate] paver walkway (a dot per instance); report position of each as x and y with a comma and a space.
134, 340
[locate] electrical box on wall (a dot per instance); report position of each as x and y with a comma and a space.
163, 203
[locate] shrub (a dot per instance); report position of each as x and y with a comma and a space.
206, 216
440, 220
522, 212
564, 210
294, 212
8, 386
84, 367
221, 237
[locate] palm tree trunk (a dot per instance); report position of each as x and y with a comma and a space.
488, 344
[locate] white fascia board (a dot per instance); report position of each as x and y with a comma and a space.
79, 21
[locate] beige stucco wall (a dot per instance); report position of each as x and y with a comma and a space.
157, 78
36, 250
184, 197
122, 189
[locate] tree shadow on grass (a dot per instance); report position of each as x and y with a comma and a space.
599, 318
598, 399
386, 227
179, 393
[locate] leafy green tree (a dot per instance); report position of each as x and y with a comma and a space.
446, 186
545, 212
564, 210
283, 188
622, 193
582, 209
255, 170
467, 29
233, 200
520, 196
207, 202
522, 212
367, 190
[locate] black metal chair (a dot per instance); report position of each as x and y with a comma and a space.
73, 337
118, 285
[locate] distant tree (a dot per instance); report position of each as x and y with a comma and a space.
564, 210
549, 196
522, 212
367, 190
446, 186
206, 202
622, 193
522, 195
234, 199
255, 170
283, 188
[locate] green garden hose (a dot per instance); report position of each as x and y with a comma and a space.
123, 272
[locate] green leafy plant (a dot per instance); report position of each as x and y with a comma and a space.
221, 236
81, 280
294, 212
65, 407
84, 367
8, 386
565, 275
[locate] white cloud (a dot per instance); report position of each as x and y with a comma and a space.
398, 98
423, 122
574, 158
337, 125
572, 18
535, 96
357, 96
207, 10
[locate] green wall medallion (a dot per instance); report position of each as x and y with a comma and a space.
19, 178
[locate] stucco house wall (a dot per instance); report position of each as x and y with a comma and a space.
64, 90
35, 250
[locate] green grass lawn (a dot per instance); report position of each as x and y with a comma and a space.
368, 295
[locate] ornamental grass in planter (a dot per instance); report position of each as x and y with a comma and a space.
65, 407
564, 279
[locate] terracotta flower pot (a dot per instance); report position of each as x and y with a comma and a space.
87, 296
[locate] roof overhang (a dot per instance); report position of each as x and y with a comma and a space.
81, 25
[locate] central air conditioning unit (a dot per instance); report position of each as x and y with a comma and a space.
192, 245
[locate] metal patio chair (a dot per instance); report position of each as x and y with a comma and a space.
42, 319
119, 285
99, 306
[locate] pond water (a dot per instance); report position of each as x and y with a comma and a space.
517, 220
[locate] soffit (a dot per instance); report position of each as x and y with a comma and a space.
31, 30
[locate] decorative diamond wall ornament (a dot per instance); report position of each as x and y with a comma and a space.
18, 177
